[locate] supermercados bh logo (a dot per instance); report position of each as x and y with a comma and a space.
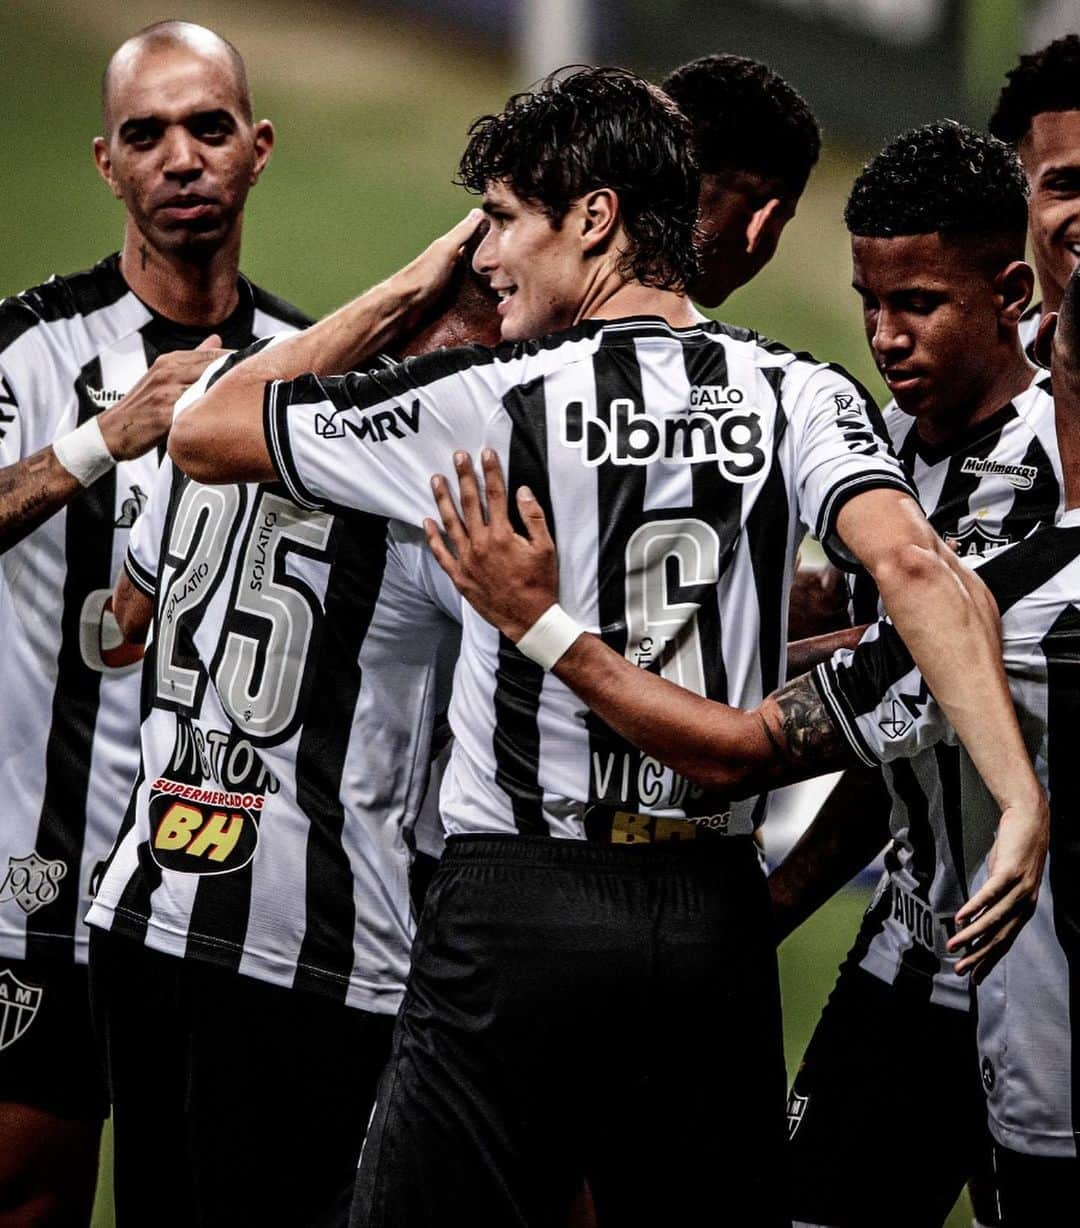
720, 426
205, 808
1021, 476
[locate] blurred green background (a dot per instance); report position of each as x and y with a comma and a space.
371, 113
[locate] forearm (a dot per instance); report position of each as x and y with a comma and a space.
946, 618
31, 491
710, 743
803, 655
848, 831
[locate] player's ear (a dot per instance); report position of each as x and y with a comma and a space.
263, 133
1044, 338
103, 162
765, 225
599, 218
1013, 286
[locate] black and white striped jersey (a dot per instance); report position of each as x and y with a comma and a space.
298, 662
676, 468
1029, 328
68, 748
985, 490
881, 703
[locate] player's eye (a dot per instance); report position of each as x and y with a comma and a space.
142, 137
215, 127
1064, 183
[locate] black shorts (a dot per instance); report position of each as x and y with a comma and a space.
579, 1012
235, 1102
889, 1084
48, 1059
1036, 1191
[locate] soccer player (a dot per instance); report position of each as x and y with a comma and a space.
89, 367
257, 906
556, 982
872, 705
1038, 112
938, 223
756, 142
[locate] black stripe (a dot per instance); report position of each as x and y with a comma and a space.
866, 677
88, 541
1014, 573
281, 310
872, 925
768, 531
1061, 647
620, 510
952, 808
1038, 505
917, 964
351, 595
957, 488
519, 681
62, 298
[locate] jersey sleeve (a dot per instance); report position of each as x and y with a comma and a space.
841, 450
372, 441
878, 699
144, 541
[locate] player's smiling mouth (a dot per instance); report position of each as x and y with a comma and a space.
505, 293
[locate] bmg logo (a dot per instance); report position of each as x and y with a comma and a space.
628, 435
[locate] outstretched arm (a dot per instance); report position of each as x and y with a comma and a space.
220, 437
512, 581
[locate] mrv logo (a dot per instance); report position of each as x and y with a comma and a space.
720, 428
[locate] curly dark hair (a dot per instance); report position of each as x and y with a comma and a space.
1048, 80
599, 128
746, 118
943, 179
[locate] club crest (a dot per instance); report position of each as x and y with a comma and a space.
19, 1006
32, 882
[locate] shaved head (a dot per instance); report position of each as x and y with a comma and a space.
166, 36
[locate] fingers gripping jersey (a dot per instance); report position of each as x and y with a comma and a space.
986, 489
1029, 1004
674, 465
69, 349
298, 660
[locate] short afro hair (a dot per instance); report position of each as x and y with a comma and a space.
599, 128
1048, 80
946, 179
748, 119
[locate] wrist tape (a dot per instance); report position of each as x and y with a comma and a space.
84, 453
549, 637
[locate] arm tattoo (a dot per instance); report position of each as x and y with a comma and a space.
807, 734
30, 491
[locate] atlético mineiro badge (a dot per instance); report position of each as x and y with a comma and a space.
32, 882
796, 1108
19, 1005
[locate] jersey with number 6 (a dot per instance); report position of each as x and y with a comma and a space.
1026, 1006
68, 744
676, 467
298, 662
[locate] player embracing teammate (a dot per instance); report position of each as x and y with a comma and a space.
593, 909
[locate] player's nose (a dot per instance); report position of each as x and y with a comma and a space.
483, 260
182, 156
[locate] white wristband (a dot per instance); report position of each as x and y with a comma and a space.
84, 453
549, 637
